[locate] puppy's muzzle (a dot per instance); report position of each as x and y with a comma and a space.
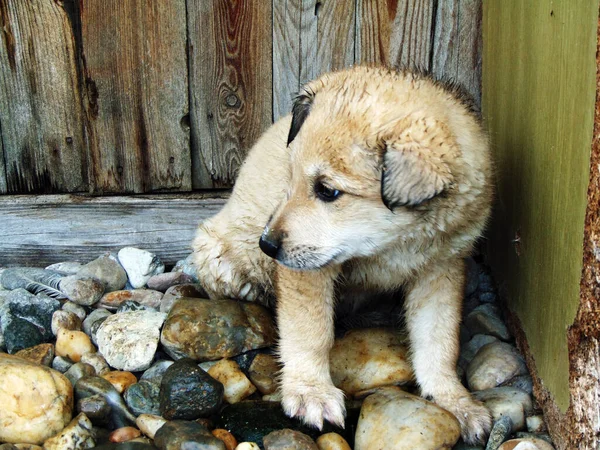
270, 242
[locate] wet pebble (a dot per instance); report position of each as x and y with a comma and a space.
368, 358
494, 364
156, 371
214, 329
61, 364
332, 441
235, 383
82, 290
93, 321
175, 293
143, 397
129, 340
88, 386
124, 434
97, 361
144, 297
78, 435
119, 379
66, 320
76, 309
42, 354
287, 439
485, 319
73, 344
227, 438
263, 373
188, 392
107, 270
140, 265
179, 434
79, 370
96, 407
149, 424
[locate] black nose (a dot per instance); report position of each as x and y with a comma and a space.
269, 242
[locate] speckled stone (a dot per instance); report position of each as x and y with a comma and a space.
143, 397
40, 354
149, 424
175, 293
76, 309
82, 290
368, 358
93, 321
78, 435
179, 434
410, 422
37, 402
106, 270
145, 297
156, 371
500, 432
66, 320
214, 329
97, 361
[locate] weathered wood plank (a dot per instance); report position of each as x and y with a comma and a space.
3, 187
374, 30
457, 44
40, 109
134, 55
41, 230
410, 43
286, 54
230, 56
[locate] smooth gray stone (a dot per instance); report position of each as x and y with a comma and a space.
182, 435
500, 433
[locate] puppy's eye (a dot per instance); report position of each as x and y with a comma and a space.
325, 193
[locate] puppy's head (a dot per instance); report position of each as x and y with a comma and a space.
366, 169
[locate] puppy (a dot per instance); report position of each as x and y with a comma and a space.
379, 180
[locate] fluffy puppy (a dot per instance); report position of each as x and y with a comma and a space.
380, 180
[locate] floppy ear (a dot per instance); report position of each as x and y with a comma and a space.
300, 110
412, 174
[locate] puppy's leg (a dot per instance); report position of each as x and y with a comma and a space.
433, 311
305, 320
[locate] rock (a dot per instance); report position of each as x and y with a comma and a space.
485, 319
76, 309
287, 439
535, 424
525, 435
494, 364
82, 290
140, 265
66, 267
89, 386
500, 432
97, 408
470, 348
507, 401
145, 297
129, 340
227, 438
37, 402
472, 278
124, 434
106, 270
175, 293
97, 361
119, 379
26, 319
66, 320
156, 371
188, 267
263, 373
78, 435
332, 441
79, 370
214, 329
245, 359
235, 383
187, 392
93, 321
136, 444
526, 444
368, 358
129, 306
164, 281
410, 422
143, 397
73, 344
61, 364
488, 297
42, 354
149, 424
247, 446
178, 434
522, 382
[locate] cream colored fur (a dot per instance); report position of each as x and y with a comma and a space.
374, 135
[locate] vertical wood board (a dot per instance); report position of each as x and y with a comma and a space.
374, 28
135, 67
3, 187
538, 101
41, 117
230, 57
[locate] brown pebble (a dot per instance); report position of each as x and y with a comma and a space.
124, 434
332, 441
227, 438
120, 380
40, 354
206, 423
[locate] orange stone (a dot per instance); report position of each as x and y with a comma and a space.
120, 380
227, 438
124, 434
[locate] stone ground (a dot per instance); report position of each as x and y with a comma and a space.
119, 354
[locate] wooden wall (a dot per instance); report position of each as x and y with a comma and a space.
145, 96
539, 92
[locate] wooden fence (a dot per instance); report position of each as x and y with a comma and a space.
145, 96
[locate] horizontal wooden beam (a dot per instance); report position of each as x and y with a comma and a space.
41, 230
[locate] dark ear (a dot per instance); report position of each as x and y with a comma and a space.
300, 110
411, 175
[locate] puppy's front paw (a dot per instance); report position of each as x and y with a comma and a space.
475, 419
314, 402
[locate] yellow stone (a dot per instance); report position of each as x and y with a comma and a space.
332, 441
120, 380
37, 401
73, 344
235, 383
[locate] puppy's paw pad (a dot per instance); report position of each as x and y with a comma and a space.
314, 404
475, 420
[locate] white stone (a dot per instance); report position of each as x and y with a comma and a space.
149, 424
235, 383
507, 401
140, 265
128, 341
367, 358
247, 446
392, 417
78, 435
526, 444
494, 364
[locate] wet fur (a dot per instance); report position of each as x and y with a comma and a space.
413, 163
